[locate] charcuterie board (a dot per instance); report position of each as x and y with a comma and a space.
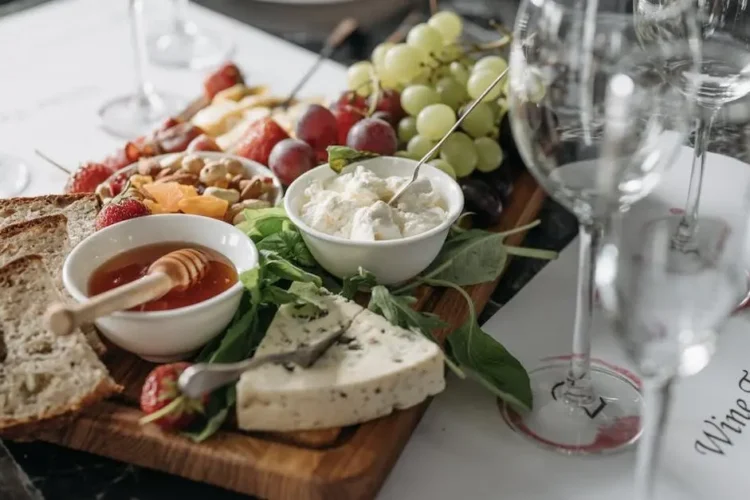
332, 464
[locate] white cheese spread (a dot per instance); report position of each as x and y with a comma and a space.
354, 206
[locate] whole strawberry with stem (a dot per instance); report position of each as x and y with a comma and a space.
163, 403
87, 178
122, 207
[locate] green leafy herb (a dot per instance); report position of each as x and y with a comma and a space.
263, 222
341, 156
363, 279
486, 359
279, 268
288, 244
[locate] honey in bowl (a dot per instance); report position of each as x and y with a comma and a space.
133, 264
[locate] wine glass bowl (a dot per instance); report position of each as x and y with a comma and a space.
597, 123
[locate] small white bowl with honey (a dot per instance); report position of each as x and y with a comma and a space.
176, 325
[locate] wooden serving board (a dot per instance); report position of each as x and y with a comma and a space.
346, 463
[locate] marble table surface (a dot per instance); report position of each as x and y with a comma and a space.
40, 471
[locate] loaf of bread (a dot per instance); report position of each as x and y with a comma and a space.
80, 210
43, 376
47, 236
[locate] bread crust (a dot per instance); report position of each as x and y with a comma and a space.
19, 227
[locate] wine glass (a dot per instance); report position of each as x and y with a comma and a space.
133, 115
666, 306
724, 76
14, 175
564, 58
184, 45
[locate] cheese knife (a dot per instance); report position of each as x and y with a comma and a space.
202, 378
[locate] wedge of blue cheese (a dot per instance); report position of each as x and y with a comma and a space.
373, 369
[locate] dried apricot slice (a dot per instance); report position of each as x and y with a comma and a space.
208, 206
167, 194
154, 207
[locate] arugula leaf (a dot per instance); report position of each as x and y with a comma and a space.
397, 310
363, 279
263, 222
486, 359
341, 156
288, 243
281, 268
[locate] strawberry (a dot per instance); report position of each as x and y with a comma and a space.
259, 139
123, 157
87, 178
162, 402
223, 78
177, 138
119, 181
120, 209
203, 143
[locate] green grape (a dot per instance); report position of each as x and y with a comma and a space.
407, 128
479, 122
406, 154
451, 92
460, 152
358, 77
415, 98
448, 24
490, 156
435, 121
444, 166
450, 52
419, 146
534, 86
403, 62
423, 78
493, 64
478, 83
506, 86
459, 72
378, 54
425, 38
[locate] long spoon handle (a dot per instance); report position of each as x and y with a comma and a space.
437, 146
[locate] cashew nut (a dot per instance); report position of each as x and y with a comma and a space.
236, 211
230, 195
192, 164
148, 166
251, 188
233, 166
214, 174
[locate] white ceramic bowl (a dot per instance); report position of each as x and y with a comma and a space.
391, 261
252, 168
162, 336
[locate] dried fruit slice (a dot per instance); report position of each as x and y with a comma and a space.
169, 194
208, 206
154, 207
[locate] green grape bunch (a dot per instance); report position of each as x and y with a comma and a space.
437, 76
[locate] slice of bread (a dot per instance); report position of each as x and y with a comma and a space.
42, 375
80, 209
46, 236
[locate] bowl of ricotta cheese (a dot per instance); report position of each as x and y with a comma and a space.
347, 223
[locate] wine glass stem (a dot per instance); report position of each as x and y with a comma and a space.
143, 86
180, 16
688, 223
578, 389
657, 395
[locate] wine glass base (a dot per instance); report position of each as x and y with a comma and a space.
129, 116
189, 49
14, 176
612, 423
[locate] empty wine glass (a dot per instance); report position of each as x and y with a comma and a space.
185, 45
666, 306
724, 76
564, 57
133, 115
14, 175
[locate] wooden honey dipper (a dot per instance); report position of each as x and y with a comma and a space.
178, 270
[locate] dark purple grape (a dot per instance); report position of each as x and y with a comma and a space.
483, 200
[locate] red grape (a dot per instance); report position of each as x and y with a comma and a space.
373, 135
390, 102
291, 158
382, 115
346, 117
317, 127
351, 98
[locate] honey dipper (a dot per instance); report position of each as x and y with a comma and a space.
178, 270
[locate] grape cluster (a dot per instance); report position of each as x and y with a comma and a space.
436, 79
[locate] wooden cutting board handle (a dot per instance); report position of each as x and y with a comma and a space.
62, 319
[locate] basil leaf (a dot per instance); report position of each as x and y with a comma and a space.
363, 279
218, 409
491, 364
277, 267
234, 345
263, 222
289, 245
470, 257
251, 280
341, 156
398, 311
